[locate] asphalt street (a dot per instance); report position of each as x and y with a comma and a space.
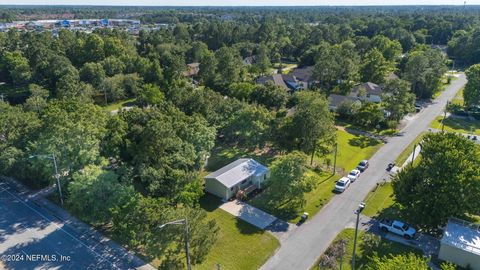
32, 237
305, 244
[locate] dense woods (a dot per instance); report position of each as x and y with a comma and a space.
148, 158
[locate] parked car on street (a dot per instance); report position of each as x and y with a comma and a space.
363, 165
353, 175
398, 228
342, 184
390, 166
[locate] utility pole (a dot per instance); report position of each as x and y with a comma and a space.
445, 116
361, 206
57, 175
187, 245
335, 159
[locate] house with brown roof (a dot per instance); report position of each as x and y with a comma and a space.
276, 79
192, 70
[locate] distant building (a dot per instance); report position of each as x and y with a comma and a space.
248, 61
304, 76
391, 76
192, 70
242, 174
276, 79
367, 91
335, 100
460, 244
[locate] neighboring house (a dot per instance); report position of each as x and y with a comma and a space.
248, 61
192, 70
392, 76
276, 79
460, 244
242, 174
367, 91
335, 100
304, 76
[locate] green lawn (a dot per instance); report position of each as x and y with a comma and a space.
315, 199
444, 85
239, 245
407, 151
461, 125
381, 202
386, 247
351, 150
118, 105
458, 99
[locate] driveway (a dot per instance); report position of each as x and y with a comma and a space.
44, 236
428, 244
248, 213
305, 244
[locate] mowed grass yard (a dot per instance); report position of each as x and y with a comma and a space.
454, 124
385, 248
239, 245
381, 202
351, 150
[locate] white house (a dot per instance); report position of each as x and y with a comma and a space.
242, 174
460, 244
367, 91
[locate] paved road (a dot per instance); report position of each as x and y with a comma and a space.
30, 231
304, 245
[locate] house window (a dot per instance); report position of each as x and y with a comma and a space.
231, 188
243, 182
265, 177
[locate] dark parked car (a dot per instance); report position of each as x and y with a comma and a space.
363, 165
390, 166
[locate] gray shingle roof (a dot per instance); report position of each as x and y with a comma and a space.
237, 171
303, 74
371, 88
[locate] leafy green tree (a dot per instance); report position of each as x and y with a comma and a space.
16, 65
288, 181
241, 90
262, 59
391, 49
250, 126
37, 100
120, 86
93, 49
369, 115
72, 131
92, 73
375, 67
137, 223
312, 122
112, 66
229, 65
398, 99
17, 128
471, 93
208, 68
409, 261
93, 193
270, 95
435, 189
150, 94
424, 70
166, 149
335, 65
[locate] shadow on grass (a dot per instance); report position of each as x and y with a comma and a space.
460, 124
363, 142
209, 202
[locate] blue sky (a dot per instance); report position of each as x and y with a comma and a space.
236, 2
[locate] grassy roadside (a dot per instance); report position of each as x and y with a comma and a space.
239, 245
408, 150
118, 105
453, 124
314, 200
385, 247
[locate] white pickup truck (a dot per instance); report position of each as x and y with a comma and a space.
397, 227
